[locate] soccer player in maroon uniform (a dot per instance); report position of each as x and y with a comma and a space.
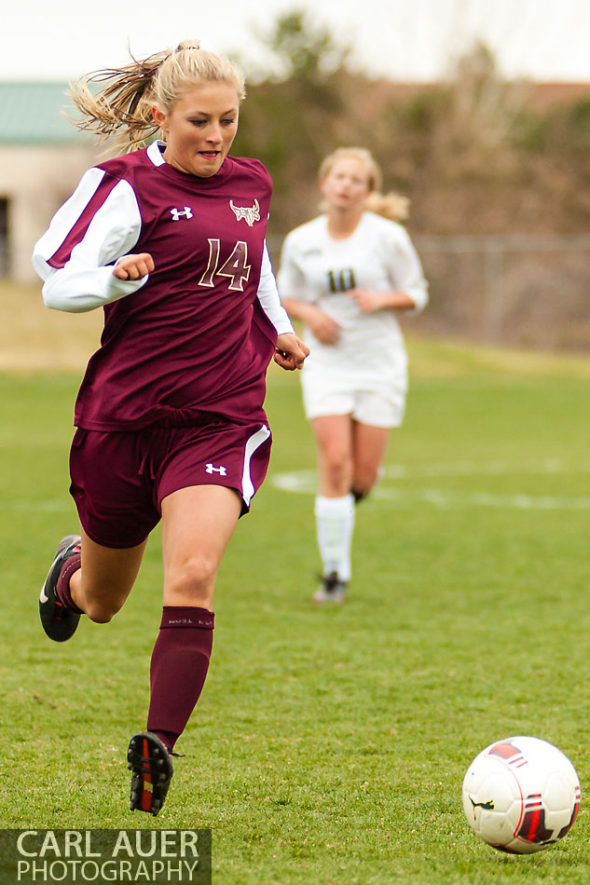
170, 241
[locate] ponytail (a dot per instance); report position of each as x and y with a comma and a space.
118, 101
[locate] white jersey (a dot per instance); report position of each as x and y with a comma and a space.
379, 257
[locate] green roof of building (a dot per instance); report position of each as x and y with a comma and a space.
33, 113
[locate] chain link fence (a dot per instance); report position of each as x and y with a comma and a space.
519, 290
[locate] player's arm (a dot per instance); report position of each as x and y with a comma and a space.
84, 257
323, 326
134, 267
290, 280
290, 350
405, 273
371, 302
268, 297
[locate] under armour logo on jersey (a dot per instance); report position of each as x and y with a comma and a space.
249, 214
177, 213
221, 470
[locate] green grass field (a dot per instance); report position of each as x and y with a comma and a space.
329, 745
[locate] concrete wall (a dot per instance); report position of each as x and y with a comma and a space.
36, 180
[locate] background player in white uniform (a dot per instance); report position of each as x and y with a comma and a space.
346, 274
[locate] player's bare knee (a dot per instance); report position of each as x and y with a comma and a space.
101, 612
194, 578
339, 470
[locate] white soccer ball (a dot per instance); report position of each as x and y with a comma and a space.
521, 795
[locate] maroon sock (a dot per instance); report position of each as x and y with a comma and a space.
179, 665
62, 587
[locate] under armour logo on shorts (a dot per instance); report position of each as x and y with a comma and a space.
221, 470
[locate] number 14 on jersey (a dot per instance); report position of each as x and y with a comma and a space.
235, 268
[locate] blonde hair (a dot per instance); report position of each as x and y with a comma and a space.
123, 107
390, 205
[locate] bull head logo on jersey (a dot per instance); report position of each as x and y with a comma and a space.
249, 214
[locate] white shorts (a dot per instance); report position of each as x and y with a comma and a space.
378, 408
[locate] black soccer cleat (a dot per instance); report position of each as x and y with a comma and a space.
332, 589
58, 621
151, 767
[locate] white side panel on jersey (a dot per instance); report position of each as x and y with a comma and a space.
86, 281
63, 220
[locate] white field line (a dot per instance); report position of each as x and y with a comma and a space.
305, 482
446, 500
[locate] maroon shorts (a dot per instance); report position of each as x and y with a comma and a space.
119, 478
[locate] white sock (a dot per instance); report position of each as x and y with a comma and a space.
335, 524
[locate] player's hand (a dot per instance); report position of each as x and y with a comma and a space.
290, 352
369, 302
133, 267
324, 328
